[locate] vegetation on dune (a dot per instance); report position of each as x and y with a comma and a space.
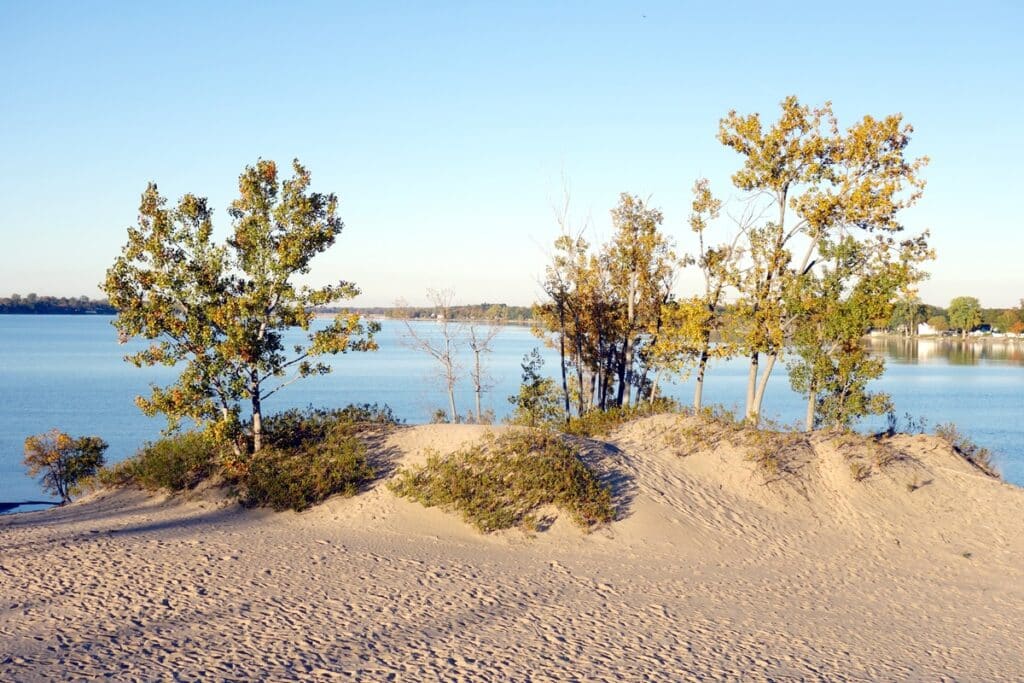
805, 262
64, 461
309, 456
504, 481
963, 446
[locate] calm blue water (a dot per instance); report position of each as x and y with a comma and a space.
67, 372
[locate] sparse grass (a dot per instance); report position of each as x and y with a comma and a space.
705, 431
963, 446
602, 422
859, 470
502, 482
869, 453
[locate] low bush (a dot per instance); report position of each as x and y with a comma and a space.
503, 481
308, 455
963, 446
173, 463
293, 429
283, 479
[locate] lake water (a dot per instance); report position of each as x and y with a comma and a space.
68, 372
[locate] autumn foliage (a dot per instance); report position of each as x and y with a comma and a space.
63, 460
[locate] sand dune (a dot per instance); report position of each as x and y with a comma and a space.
914, 573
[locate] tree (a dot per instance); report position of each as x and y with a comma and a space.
442, 346
719, 265
837, 305
538, 399
938, 323
807, 181
642, 268
63, 460
478, 338
222, 309
964, 314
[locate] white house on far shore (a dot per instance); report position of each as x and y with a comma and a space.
924, 329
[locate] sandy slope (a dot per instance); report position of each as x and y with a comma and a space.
710, 574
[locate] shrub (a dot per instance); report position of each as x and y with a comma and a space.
173, 463
63, 460
963, 446
294, 429
296, 479
503, 481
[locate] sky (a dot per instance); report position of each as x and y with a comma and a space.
448, 129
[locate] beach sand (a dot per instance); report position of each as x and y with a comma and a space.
710, 574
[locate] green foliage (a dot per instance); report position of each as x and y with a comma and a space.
173, 463
809, 183
295, 429
63, 460
222, 310
832, 310
310, 454
298, 479
538, 400
938, 323
503, 482
964, 313
963, 446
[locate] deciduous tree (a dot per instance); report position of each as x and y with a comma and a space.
222, 310
964, 314
810, 181
63, 460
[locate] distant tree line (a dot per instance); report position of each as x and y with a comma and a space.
964, 314
50, 305
465, 312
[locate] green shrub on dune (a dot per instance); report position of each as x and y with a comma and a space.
503, 482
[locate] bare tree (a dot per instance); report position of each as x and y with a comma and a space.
443, 346
479, 336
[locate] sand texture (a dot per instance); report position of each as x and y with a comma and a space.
711, 573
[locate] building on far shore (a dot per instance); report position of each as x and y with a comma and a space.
924, 330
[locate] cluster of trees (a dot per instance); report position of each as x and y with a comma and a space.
35, 304
964, 315
809, 258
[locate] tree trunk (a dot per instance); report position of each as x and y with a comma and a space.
654, 387
257, 421
476, 384
752, 386
812, 400
762, 385
561, 355
698, 390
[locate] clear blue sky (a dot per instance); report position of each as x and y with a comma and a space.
446, 129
